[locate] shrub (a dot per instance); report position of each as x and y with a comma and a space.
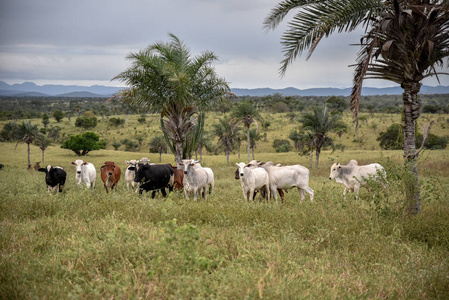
86, 122
116, 122
83, 143
281, 145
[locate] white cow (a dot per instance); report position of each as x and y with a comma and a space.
85, 172
253, 178
196, 178
130, 174
287, 177
353, 176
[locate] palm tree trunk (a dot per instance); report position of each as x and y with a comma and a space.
178, 154
248, 143
227, 157
43, 156
29, 161
411, 113
252, 148
317, 153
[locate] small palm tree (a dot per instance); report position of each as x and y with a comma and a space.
42, 142
27, 133
227, 137
246, 113
319, 124
254, 137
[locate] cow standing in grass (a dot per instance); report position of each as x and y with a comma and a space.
110, 174
130, 174
85, 172
55, 177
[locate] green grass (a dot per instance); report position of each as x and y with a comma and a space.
90, 245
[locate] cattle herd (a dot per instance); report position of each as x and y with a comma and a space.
265, 178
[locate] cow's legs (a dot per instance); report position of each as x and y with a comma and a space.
106, 187
60, 188
302, 194
164, 193
195, 193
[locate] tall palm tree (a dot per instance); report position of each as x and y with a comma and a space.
227, 137
27, 133
166, 79
405, 42
319, 124
246, 113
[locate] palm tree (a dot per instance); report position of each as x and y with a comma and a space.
226, 135
166, 79
254, 137
27, 133
42, 142
245, 112
319, 124
405, 41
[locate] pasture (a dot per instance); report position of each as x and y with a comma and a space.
89, 244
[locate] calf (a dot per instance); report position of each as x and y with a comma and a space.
154, 177
353, 176
110, 174
130, 173
253, 178
37, 166
85, 172
54, 177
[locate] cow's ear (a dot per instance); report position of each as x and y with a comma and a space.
42, 170
85, 163
102, 167
73, 163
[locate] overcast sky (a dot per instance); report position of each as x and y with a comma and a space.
86, 42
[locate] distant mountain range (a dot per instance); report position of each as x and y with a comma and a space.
30, 89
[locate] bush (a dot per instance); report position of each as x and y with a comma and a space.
86, 122
433, 142
116, 122
281, 145
84, 143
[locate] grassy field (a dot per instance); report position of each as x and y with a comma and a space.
87, 244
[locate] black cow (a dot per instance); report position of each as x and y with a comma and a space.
54, 176
154, 177
1, 166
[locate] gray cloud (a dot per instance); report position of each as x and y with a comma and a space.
87, 41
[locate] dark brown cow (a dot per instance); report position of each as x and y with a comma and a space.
110, 174
178, 178
37, 165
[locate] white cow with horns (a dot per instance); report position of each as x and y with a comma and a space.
353, 176
253, 178
196, 178
85, 172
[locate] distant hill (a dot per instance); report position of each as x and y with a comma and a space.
31, 89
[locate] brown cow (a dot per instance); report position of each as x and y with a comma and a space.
37, 165
178, 178
110, 174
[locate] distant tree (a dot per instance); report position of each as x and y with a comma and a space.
42, 142
245, 112
83, 143
130, 145
116, 145
280, 107
27, 133
54, 133
226, 136
281, 145
295, 136
142, 119
58, 115
433, 142
336, 104
158, 145
116, 122
9, 131
254, 136
319, 124
45, 120
86, 122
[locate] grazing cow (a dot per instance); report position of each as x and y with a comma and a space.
287, 177
353, 176
154, 177
253, 178
54, 177
196, 178
37, 166
85, 172
110, 174
130, 174
178, 178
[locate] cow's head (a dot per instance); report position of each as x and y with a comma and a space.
78, 163
335, 169
140, 171
132, 164
241, 166
49, 172
187, 163
109, 168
